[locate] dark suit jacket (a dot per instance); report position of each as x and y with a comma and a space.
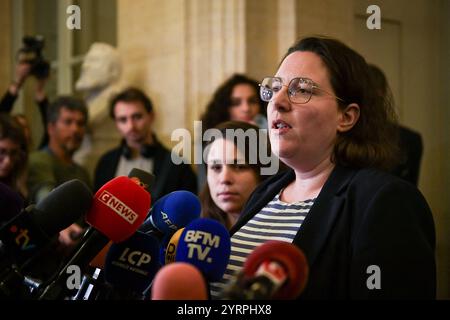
411, 148
361, 218
168, 176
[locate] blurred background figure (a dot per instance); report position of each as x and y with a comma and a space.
134, 116
229, 182
54, 164
26, 67
100, 72
410, 142
237, 99
13, 155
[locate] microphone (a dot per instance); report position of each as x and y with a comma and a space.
118, 209
170, 252
93, 277
28, 234
99, 260
275, 270
179, 281
205, 243
172, 212
131, 265
143, 178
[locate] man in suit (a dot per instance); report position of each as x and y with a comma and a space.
132, 112
410, 141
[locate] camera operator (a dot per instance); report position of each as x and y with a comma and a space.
29, 62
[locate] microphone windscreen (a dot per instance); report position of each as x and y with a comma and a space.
179, 281
291, 258
144, 178
133, 263
64, 205
119, 208
205, 243
170, 252
175, 210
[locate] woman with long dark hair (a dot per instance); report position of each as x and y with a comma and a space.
233, 171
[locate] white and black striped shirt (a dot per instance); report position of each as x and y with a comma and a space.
278, 220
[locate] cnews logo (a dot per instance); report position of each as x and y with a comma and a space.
118, 206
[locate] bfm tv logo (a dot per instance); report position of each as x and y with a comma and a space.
118, 207
195, 239
22, 236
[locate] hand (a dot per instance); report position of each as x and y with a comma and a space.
22, 71
69, 236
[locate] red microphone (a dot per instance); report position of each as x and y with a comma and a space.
119, 208
275, 270
179, 281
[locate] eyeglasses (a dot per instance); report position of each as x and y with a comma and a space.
14, 154
300, 90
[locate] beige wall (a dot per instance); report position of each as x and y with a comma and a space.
443, 76
179, 53
328, 17
261, 33
5, 47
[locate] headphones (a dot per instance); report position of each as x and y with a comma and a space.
147, 150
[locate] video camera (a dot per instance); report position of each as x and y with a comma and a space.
31, 53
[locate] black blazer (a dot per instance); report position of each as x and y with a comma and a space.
411, 150
361, 218
168, 176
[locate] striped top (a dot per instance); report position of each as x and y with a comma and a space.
278, 220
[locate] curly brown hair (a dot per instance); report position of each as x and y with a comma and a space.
217, 110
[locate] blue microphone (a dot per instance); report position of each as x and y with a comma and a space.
205, 243
172, 212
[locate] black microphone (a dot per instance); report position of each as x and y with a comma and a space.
28, 234
118, 209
